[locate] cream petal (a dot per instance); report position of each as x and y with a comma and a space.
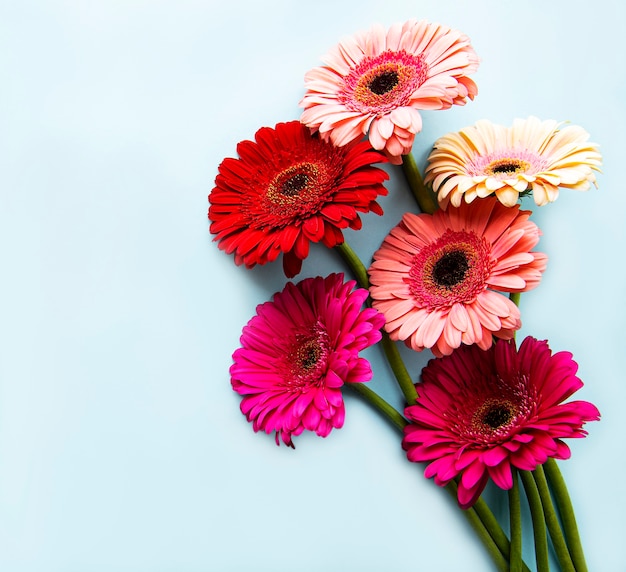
507, 196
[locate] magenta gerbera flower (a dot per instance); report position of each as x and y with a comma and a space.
298, 351
437, 278
377, 81
288, 189
479, 413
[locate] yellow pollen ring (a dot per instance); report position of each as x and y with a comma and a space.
308, 355
507, 166
363, 92
294, 184
494, 414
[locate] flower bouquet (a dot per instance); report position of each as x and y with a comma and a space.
446, 279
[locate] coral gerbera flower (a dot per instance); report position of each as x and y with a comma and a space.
376, 81
434, 275
532, 155
298, 351
479, 413
289, 188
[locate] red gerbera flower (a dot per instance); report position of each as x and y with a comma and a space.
298, 351
479, 413
289, 188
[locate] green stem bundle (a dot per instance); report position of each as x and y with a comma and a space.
515, 520
552, 522
566, 512
539, 523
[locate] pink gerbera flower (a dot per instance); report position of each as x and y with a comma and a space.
298, 351
434, 275
376, 81
288, 189
479, 413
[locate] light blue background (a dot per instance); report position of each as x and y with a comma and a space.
121, 443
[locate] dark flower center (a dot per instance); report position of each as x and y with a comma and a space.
497, 416
384, 82
294, 184
454, 268
450, 269
304, 361
296, 187
380, 84
494, 417
507, 167
309, 354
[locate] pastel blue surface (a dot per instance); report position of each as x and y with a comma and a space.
121, 443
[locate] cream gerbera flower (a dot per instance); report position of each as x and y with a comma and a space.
532, 155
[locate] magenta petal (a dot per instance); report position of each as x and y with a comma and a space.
495, 456
468, 496
298, 351
480, 412
501, 475
443, 468
562, 450
473, 474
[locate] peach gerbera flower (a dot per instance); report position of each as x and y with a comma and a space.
434, 276
376, 81
532, 155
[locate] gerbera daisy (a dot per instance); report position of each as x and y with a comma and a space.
376, 81
532, 155
434, 275
289, 188
298, 351
479, 413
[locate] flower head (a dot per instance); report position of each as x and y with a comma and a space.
298, 351
378, 80
532, 155
433, 276
289, 188
479, 413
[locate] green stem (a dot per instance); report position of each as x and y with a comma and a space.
492, 525
354, 263
391, 350
425, 198
392, 414
539, 523
566, 512
486, 536
479, 516
399, 369
515, 519
552, 521
515, 298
